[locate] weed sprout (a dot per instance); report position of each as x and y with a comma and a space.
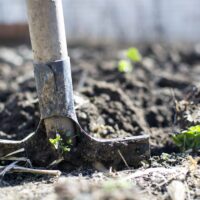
132, 56
188, 139
59, 144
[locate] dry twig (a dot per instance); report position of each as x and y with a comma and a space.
14, 168
123, 159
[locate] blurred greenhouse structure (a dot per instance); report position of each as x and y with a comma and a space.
113, 21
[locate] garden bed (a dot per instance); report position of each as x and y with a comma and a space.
159, 96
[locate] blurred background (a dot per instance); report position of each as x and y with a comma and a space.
113, 21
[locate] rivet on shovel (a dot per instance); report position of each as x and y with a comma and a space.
55, 93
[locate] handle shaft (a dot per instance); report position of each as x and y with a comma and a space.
48, 39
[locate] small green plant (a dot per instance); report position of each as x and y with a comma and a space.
132, 55
112, 185
165, 156
188, 139
125, 66
60, 145
55, 141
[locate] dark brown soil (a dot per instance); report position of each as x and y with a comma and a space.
116, 105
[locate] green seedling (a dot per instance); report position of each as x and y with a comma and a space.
68, 145
165, 156
112, 185
60, 145
125, 66
56, 141
132, 56
188, 139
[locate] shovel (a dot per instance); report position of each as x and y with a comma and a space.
59, 133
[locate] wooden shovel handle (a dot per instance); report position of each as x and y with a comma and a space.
48, 39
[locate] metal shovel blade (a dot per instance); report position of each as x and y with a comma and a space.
87, 150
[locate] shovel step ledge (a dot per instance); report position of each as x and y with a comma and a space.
87, 150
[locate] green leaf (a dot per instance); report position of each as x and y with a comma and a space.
188, 139
55, 141
194, 128
134, 55
124, 66
69, 141
58, 143
66, 149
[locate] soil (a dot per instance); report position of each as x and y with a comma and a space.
160, 97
